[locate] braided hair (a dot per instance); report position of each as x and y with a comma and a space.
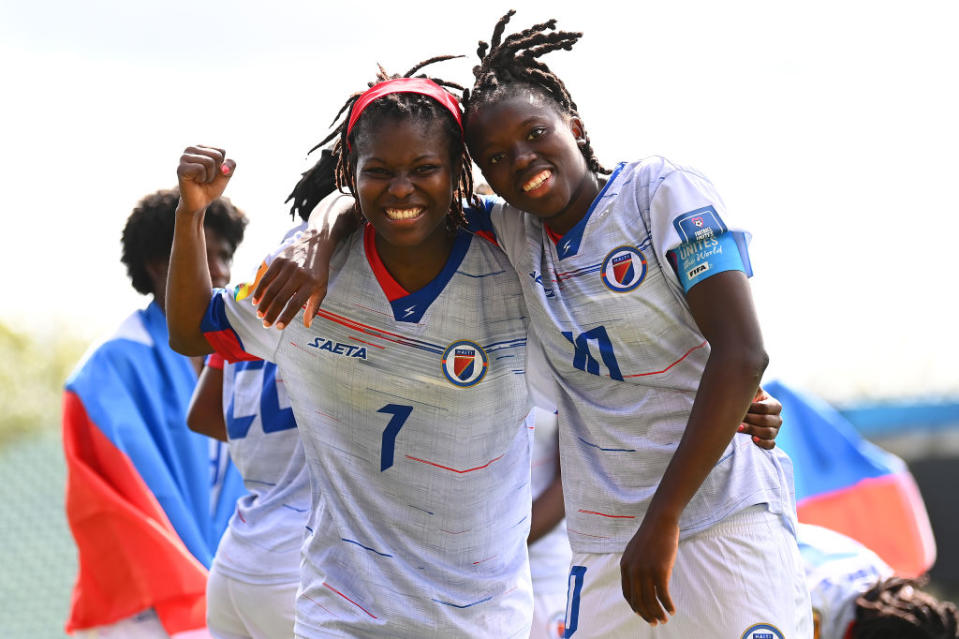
897, 608
511, 64
337, 165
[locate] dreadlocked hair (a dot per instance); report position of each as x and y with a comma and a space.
510, 65
897, 608
314, 185
337, 165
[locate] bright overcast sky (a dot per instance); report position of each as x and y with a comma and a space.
830, 128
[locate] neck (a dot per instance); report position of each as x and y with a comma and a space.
413, 267
582, 198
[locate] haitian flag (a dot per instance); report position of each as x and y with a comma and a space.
852, 486
146, 498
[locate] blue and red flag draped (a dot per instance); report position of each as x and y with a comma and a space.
145, 499
852, 486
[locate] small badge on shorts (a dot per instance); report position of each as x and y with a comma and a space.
762, 631
556, 626
623, 269
465, 363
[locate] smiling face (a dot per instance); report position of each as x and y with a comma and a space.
404, 181
530, 155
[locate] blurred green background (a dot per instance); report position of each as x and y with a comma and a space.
37, 557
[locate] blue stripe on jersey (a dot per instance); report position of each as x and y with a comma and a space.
469, 605
372, 550
412, 307
215, 318
569, 245
511, 343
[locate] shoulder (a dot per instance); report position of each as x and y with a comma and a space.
651, 171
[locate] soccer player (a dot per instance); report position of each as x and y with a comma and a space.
140, 501
409, 390
636, 287
856, 596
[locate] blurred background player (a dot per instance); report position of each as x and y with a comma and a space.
146, 498
251, 593
856, 596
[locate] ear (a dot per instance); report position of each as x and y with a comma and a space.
578, 130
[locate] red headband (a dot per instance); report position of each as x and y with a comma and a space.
423, 86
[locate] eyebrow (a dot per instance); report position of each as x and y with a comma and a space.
426, 156
530, 120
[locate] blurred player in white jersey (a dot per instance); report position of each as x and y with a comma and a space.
549, 552
855, 595
255, 573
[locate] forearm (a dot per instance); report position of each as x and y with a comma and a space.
729, 382
205, 415
188, 284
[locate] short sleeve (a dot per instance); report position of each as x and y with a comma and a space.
691, 231
330, 208
232, 327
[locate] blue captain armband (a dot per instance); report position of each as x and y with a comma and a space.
698, 260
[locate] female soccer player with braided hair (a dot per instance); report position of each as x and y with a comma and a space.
420, 499
637, 290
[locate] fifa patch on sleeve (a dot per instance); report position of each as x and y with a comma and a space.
700, 224
697, 260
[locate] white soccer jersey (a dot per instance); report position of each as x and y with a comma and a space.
411, 415
838, 570
625, 353
262, 544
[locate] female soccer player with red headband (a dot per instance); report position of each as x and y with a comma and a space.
408, 390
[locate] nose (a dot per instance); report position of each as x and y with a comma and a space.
219, 271
524, 156
401, 187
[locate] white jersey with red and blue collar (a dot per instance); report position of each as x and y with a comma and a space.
411, 414
608, 311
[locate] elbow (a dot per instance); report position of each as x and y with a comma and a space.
187, 347
747, 362
754, 362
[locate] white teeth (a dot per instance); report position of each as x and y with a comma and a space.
537, 181
403, 214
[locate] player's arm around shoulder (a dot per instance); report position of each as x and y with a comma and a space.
298, 276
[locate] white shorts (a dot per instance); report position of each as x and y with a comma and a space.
549, 613
740, 579
238, 610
